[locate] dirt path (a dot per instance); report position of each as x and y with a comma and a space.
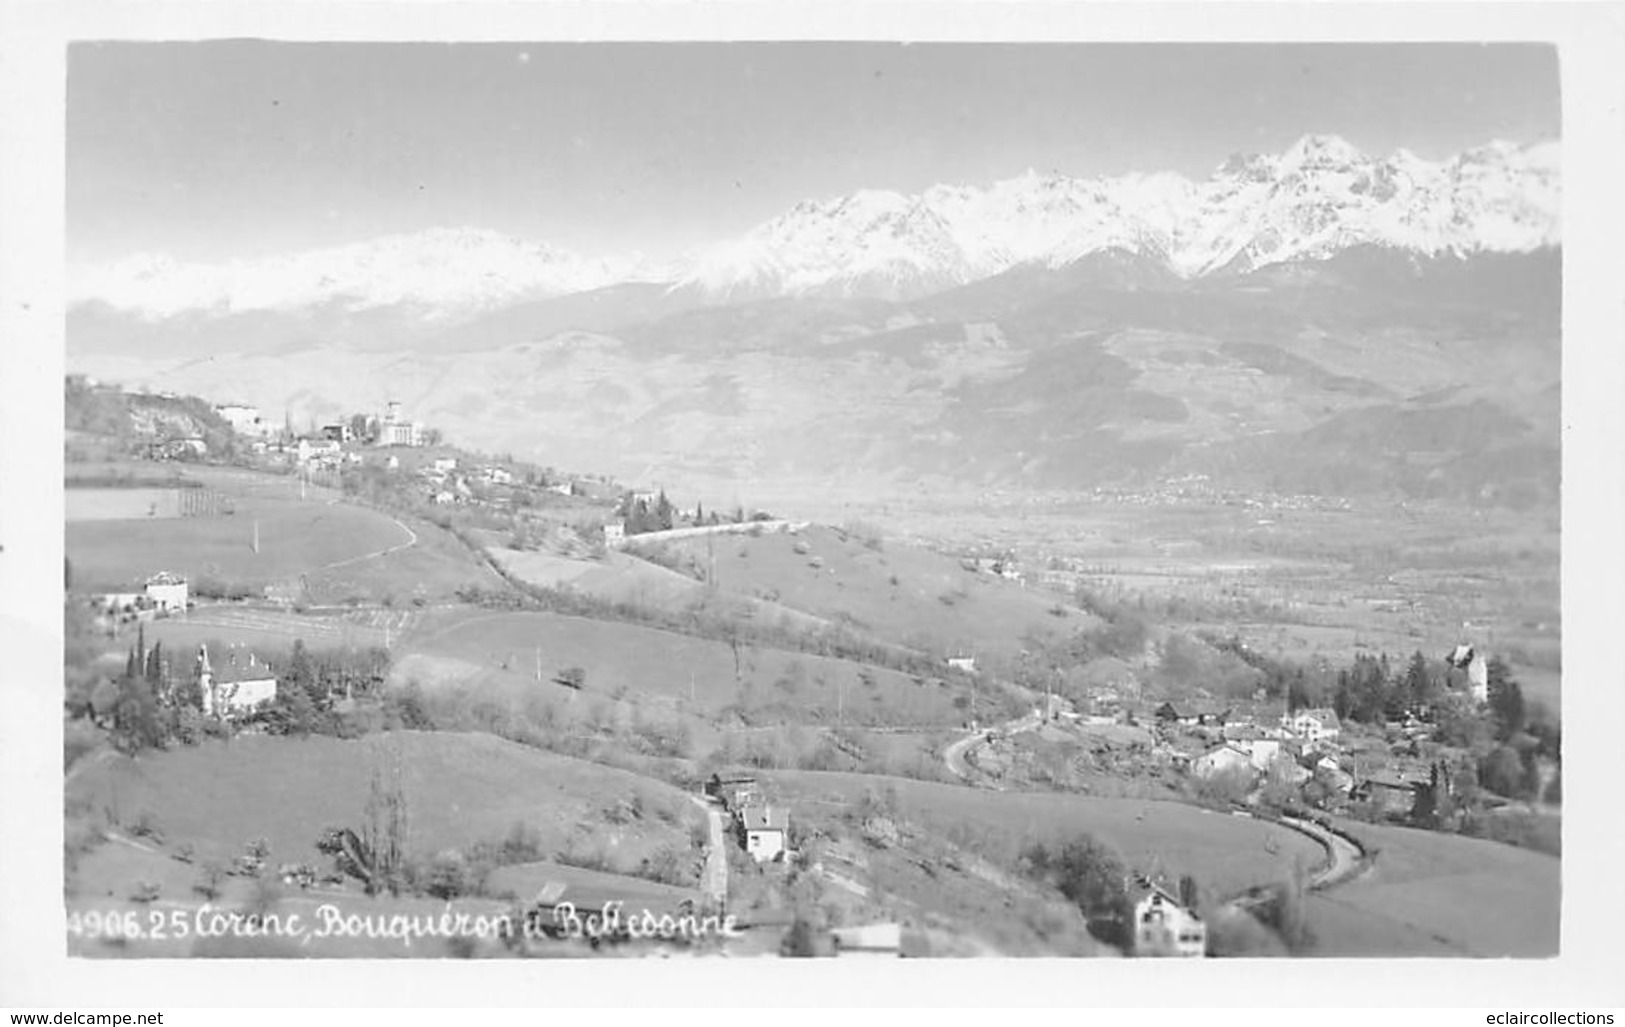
714, 878
411, 540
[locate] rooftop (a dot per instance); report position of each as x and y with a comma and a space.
765, 818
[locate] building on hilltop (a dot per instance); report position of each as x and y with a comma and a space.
396, 430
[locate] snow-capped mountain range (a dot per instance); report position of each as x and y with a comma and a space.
1320, 197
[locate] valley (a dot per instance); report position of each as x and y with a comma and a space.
964, 572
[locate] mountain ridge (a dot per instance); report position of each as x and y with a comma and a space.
1320, 197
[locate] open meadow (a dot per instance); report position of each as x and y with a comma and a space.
460, 790
1442, 895
704, 676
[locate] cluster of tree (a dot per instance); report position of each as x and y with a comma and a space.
641, 516
145, 706
1093, 878
309, 686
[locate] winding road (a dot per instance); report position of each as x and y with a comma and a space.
954, 754
1344, 855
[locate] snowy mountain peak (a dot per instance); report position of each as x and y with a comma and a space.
1321, 196
443, 271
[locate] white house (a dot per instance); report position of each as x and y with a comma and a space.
766, 829
614, 533
315, 449
445, 464
168, 592
1314, 725
237, 688
964, 663
1262, 751
1163, 927
1221, 759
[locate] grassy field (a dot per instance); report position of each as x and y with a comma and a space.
1442, 895
625, 660
435, 567
904, 594
295, 538
460, 789
1226, 854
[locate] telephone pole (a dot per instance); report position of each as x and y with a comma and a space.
256, 537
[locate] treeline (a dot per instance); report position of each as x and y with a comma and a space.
641, 517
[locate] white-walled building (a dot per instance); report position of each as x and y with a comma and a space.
168, 592
1163, 927
236, 688
766, 831
1314, 725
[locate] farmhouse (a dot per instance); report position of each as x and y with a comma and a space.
963, 662
317, 449
614, 533
765, 828
1314, 725
168, 592
1393, 794
1163, 927
237, 688
1220, 759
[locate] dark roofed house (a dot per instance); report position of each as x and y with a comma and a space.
1169, 713
734, 791
1392, 793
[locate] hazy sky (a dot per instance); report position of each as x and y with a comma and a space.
219, 149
